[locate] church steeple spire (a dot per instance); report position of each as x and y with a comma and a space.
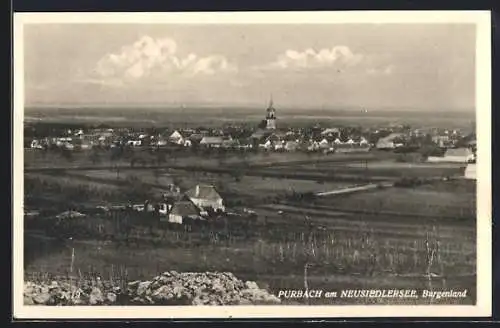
271, 115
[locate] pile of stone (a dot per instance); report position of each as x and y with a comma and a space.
210, 288
169, 288
70, 293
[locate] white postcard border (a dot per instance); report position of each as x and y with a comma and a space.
482, 20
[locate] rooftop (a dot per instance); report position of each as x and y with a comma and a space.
203, 191
184, 208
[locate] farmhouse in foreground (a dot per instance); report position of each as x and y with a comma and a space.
181, 210
206, 196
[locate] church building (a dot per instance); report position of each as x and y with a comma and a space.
271, 116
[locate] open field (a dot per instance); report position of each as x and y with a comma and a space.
388, 169
423, 202
45, 159
351, 249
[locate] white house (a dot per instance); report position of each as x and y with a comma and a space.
470, 171
388, 142
176, 137
324, 144
35, 144
134, 143
161, 142
69, 146
181, 210
441, 141
85, 145
337, 141
206, 196
291, 145
267, 145
279, 145
350, 142
454, 155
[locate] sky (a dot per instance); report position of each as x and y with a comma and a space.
414, 66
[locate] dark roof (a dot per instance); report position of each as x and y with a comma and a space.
204, 192
184, 208
195, 137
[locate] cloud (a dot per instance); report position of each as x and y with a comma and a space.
387, 70
338, 56
149, 57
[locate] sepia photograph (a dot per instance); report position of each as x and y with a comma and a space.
300, 164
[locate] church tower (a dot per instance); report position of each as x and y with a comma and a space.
271, 116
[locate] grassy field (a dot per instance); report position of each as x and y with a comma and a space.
385, 168
35, 158
422, 201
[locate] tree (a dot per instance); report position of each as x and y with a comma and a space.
116, 153
94, 157
67, 154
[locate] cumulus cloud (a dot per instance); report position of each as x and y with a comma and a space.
310, 58
156, 57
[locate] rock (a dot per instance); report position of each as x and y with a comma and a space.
244, 301
162, 294
28, 300
138, 300
96, 297
111, 297
43, 298
251, 285
141, 288
133, 284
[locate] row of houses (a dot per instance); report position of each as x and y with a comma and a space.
307, 139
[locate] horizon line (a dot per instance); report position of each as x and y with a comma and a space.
187, 106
